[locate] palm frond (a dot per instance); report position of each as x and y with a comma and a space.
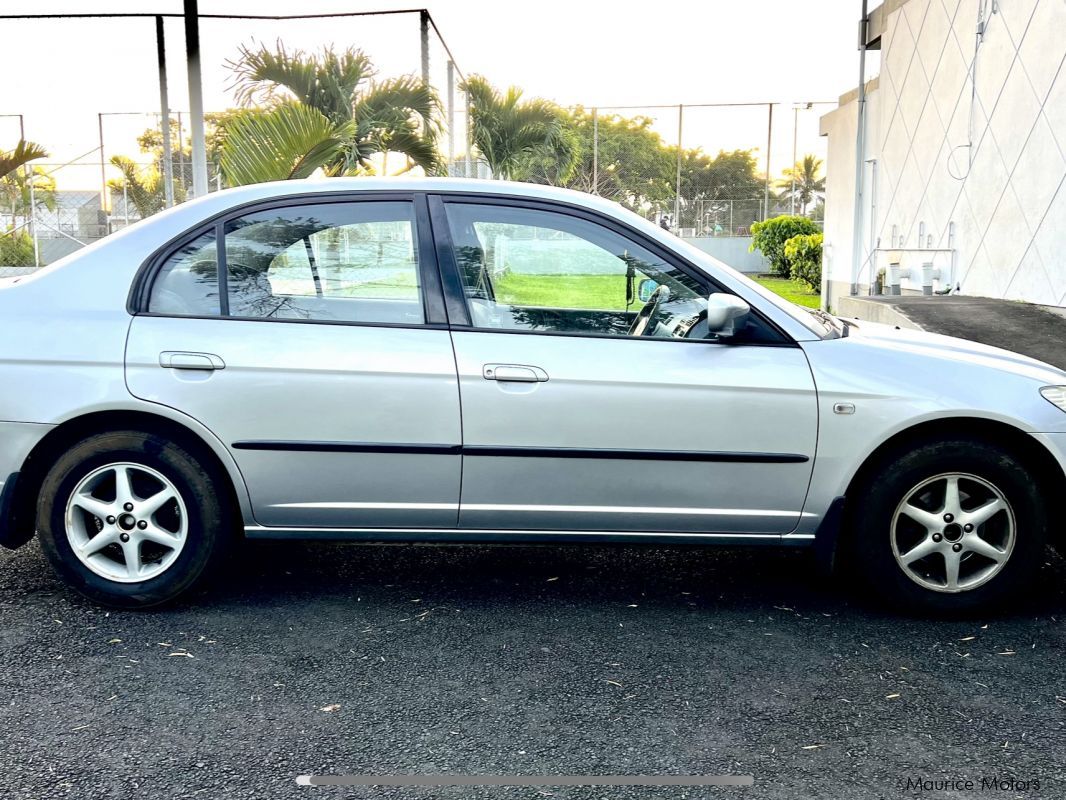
24, 152
289, 141
509, 131
142, 188
327, 81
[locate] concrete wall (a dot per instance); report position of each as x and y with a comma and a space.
733, 250
969, 140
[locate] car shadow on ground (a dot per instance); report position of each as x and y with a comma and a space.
498, 576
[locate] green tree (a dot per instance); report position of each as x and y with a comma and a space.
141, 186
769, 237
22, 189
519, 138
339, 100
632, 165
803, 181
722, 190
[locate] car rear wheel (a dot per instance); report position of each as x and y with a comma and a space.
132, 519
950, 526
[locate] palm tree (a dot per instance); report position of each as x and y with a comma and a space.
141, 187
23, 153
324, 110
803, 182
512, 134
23, 187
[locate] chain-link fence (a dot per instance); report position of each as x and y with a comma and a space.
81, 194
704, 169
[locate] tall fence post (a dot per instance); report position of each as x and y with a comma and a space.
451, 115
595, 152
164, 109
469, 138
103, 164
677, 188
423, 28
769, 141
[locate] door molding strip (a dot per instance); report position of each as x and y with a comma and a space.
493, 451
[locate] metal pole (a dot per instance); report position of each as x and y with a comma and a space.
33, 199
164, 108
769, 140
196, 99
860, 147
677, 187
423, 24
103, 166
795, 135
126, 203
469, 139
451, 115
595, 152
181, 154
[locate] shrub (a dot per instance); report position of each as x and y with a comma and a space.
16, 249
804, 256
769, 237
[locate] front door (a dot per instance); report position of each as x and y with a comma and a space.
592, 398
313, 361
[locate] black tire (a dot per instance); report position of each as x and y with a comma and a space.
209, 515
869, 556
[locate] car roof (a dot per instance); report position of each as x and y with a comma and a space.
228, 198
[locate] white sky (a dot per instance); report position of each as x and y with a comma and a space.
592, 53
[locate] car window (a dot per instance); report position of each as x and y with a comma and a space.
187, 283
529, 269
353, 262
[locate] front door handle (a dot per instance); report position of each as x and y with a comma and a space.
516, 373
172, 359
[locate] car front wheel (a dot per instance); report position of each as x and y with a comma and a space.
950, 526
131, 519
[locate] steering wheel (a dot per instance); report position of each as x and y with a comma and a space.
644, 316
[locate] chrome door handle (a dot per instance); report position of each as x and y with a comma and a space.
515, 373
172, 359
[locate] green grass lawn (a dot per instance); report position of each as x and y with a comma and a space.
793, 291
607, 292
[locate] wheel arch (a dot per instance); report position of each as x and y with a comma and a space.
1034, 455
70, 431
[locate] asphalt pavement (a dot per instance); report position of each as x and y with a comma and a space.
353, 659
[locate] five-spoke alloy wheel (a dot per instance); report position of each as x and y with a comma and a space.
132, 518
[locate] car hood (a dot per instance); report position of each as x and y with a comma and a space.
948, 348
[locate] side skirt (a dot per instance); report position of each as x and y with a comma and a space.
443, 535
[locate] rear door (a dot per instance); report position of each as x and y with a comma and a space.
310, 337
572, 422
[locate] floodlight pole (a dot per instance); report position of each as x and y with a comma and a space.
164, 109
196, 99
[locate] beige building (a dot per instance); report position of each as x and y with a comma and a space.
964, 154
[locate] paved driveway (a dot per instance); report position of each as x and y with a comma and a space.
352, 659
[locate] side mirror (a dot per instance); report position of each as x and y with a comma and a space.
725, 314
645, 289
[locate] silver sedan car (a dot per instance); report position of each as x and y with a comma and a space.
447, 360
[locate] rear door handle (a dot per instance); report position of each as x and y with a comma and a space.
516, 373
173, 359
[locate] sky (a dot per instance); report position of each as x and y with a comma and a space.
590, 53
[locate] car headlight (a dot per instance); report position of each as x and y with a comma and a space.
1056, 395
